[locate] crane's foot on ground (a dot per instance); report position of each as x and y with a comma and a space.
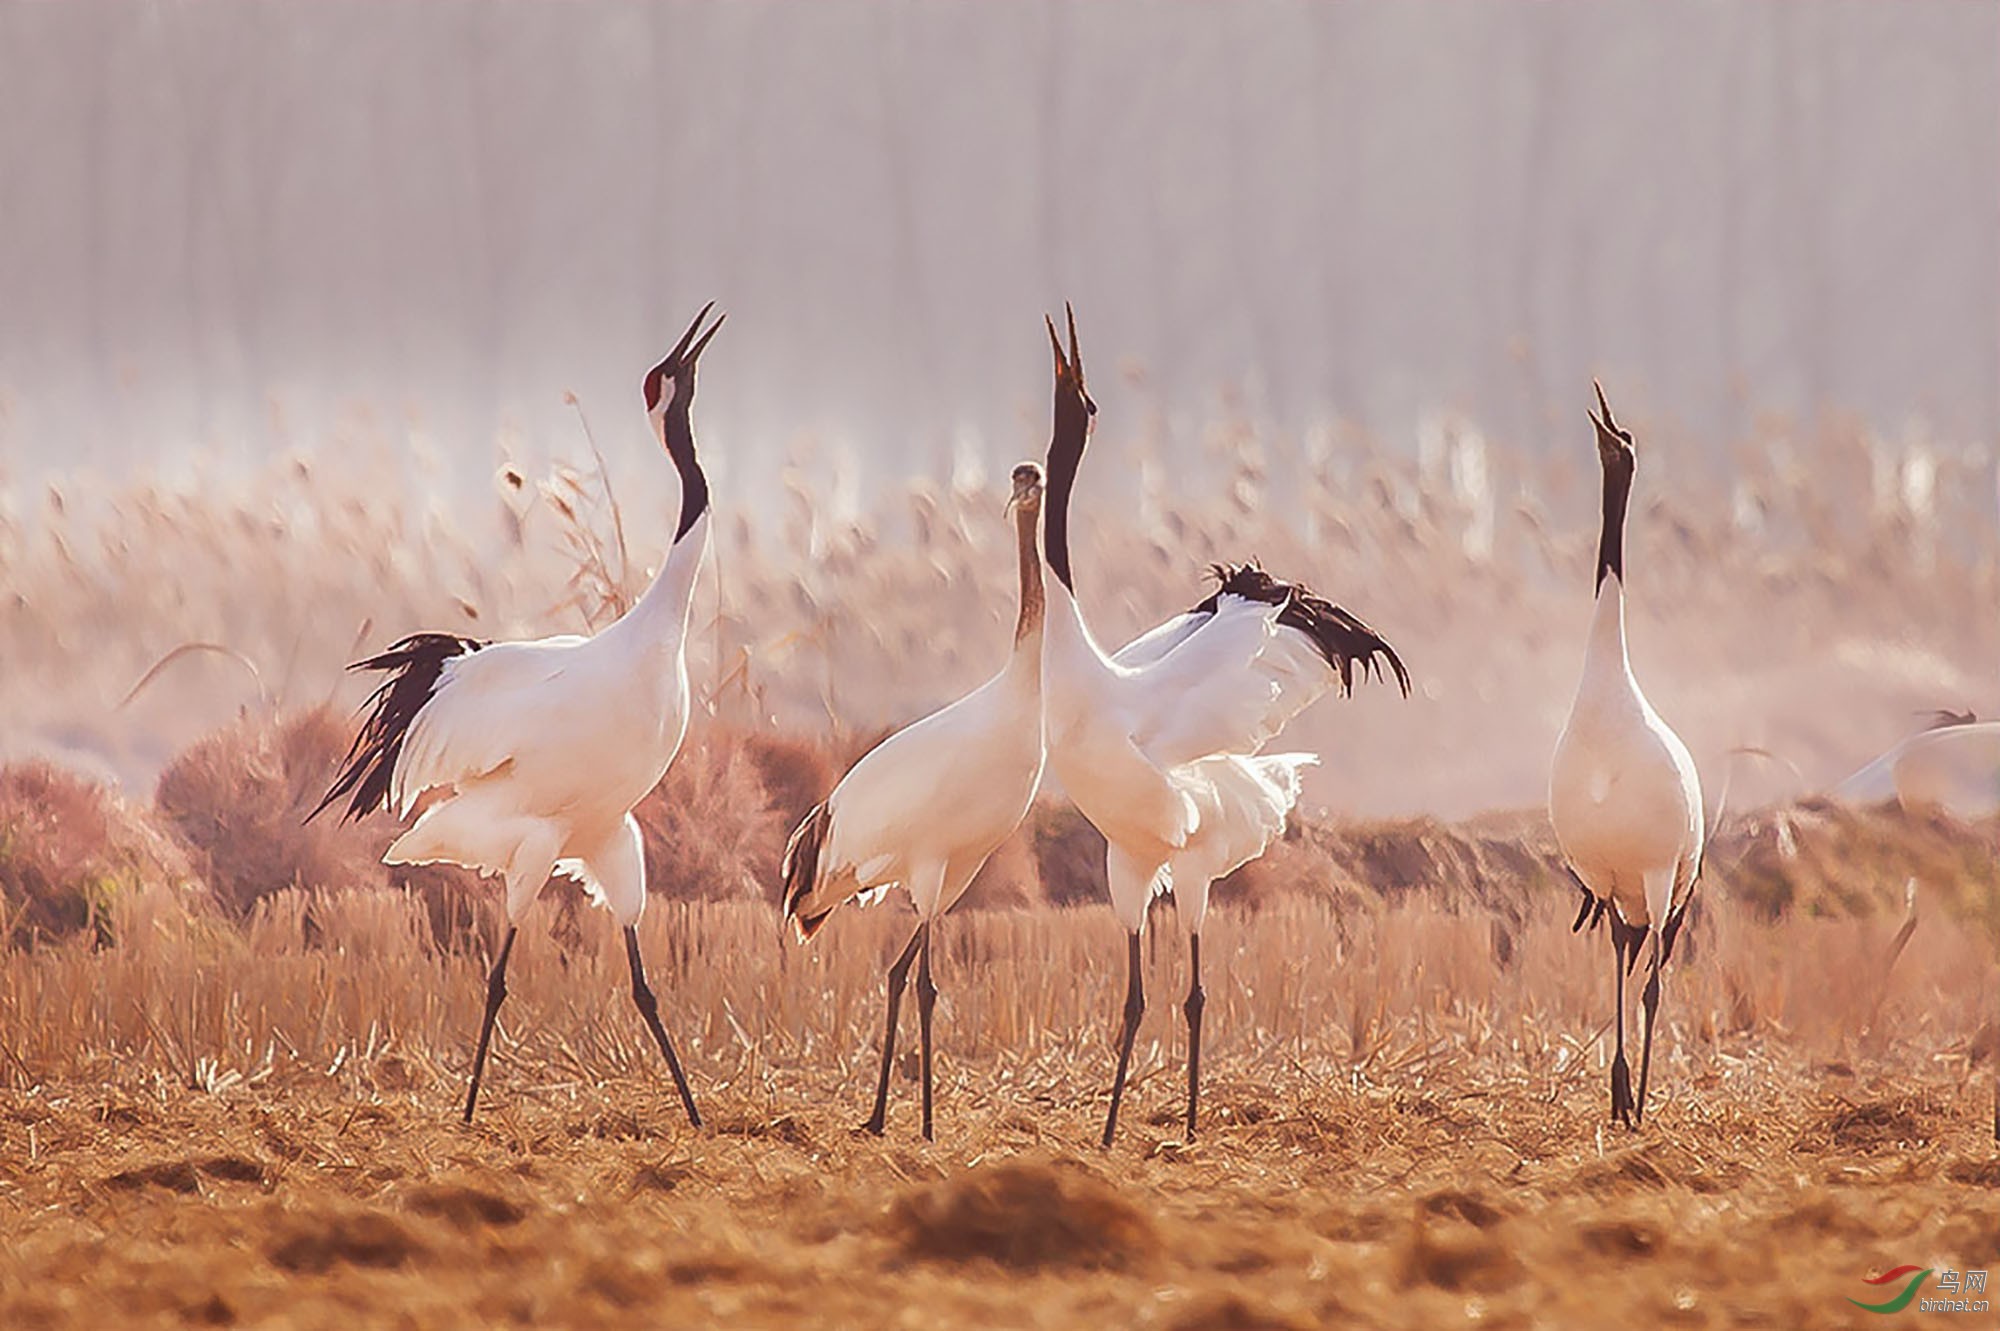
1622, 1108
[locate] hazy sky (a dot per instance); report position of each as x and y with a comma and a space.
461, 210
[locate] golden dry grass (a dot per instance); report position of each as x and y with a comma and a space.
256, 1125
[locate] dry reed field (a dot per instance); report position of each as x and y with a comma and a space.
233, 1048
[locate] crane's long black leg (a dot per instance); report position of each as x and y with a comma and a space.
1651, 997
649, 1008
1135, 1008
899, 975
1196, 1001
496, 993
926, 1000
1621, 1072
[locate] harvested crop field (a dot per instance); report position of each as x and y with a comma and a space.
256, 1124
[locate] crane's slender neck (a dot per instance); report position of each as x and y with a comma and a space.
1606, 649
1611, 541
677, 432
1034, 606
660, 616
1072, 427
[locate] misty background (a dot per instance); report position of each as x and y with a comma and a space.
230, 227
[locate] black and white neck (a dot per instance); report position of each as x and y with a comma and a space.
675, 430
1068, 435
669, 389
1615, 454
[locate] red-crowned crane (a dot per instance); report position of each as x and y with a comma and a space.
546, 746
1159, 744
923, 809
1623, 793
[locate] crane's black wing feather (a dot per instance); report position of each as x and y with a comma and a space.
1341, 637
414, 665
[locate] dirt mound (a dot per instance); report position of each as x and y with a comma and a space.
1871, 1125
1978, 1173
1028, 1216
318, 1242
1473, 1209
1456, 1256
186, 1175
1233, 1312
1622, 1239
786, 1128
465, 1205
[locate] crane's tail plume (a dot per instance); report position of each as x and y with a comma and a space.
368, 771
800, 871
1341, 637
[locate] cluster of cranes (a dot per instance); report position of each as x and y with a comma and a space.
538, 751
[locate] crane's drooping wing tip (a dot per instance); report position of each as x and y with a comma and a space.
799, 870
805, 926
414, 664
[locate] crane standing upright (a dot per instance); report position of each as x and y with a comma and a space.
1159, 744
1623, 793
925, 808
545, 746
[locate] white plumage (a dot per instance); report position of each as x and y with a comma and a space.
543, 748
1159, 744
1623, 793
1953, 766
925, 808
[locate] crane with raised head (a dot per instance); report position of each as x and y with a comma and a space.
542, 748
1160, 743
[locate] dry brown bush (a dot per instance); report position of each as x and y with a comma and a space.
1069, 855
710, 831
68, 845
239, 799
1830, 859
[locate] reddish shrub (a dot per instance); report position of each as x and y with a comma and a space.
239, 799
66, 845
1069, 855
709, 828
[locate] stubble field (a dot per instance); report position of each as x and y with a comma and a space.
227, 1128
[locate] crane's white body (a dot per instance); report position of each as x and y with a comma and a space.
925, 808
549, 744
543, 748
1951, 767
1623, 793
1158, 744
